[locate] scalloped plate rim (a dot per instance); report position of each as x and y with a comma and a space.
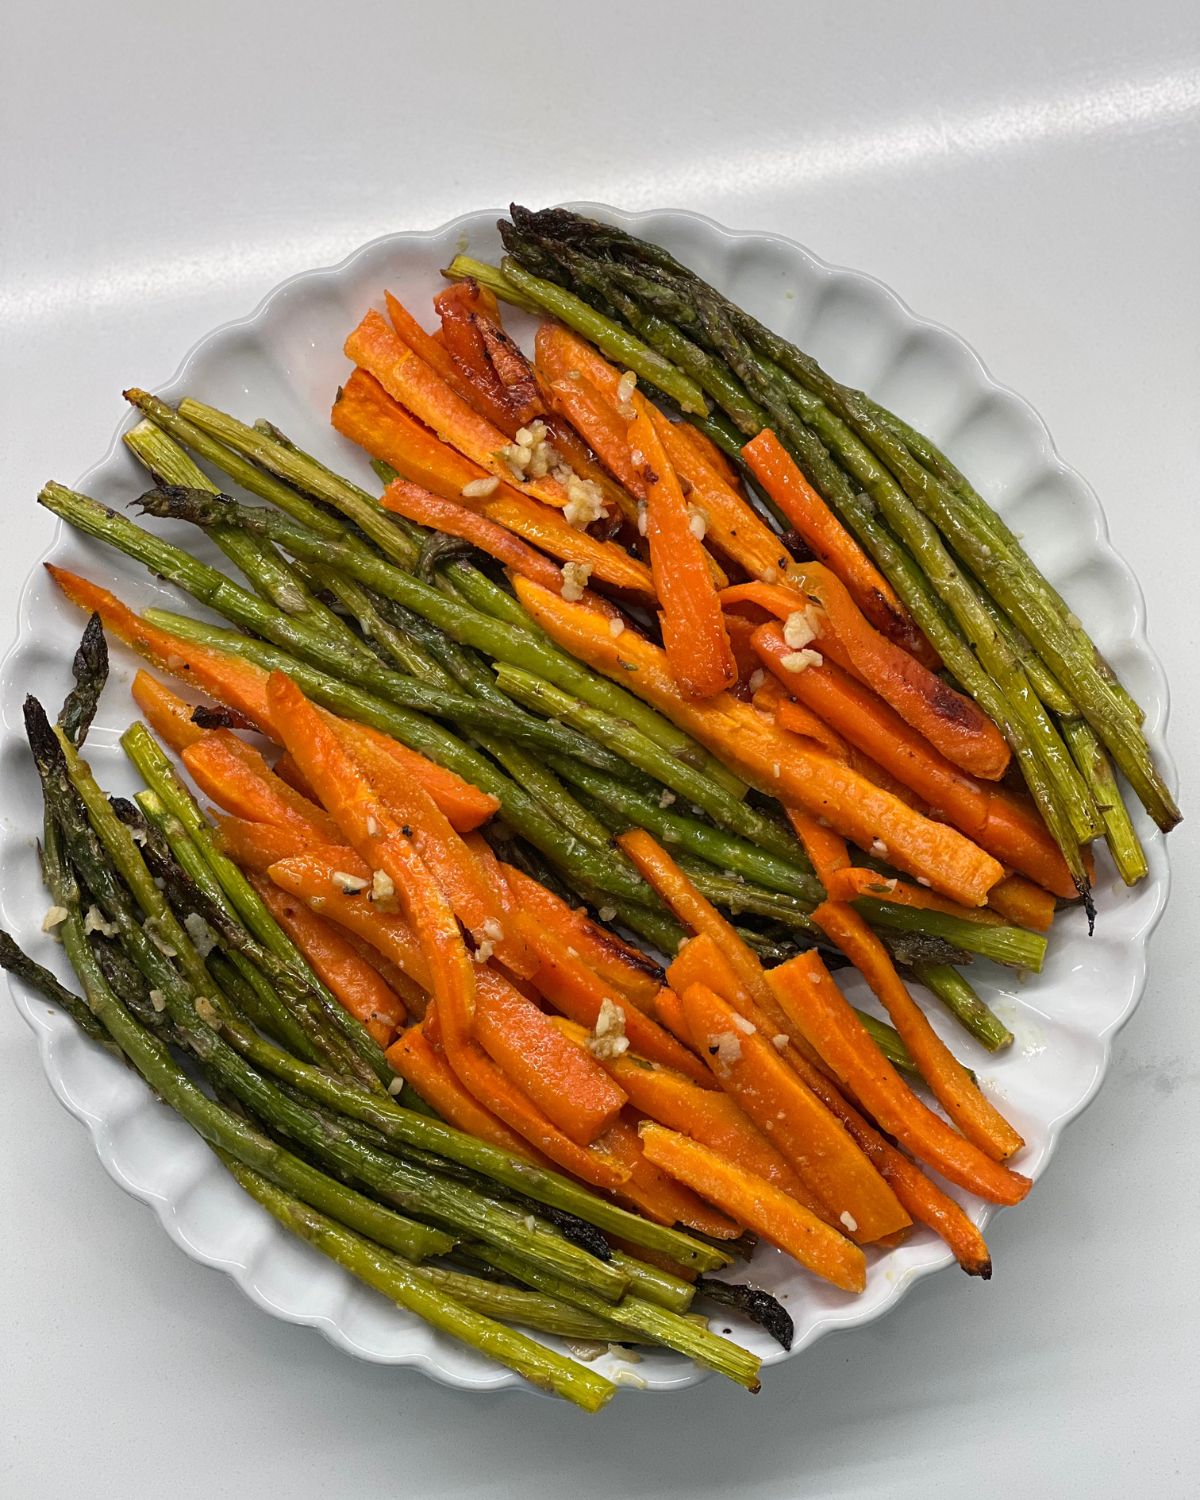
488, 1377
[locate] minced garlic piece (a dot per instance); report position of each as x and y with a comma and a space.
54, 917
383, 888
616, 626
350, 884
608, 1039
697, 523
585, 502
799, 661
575, 577
480, 489
798, 629
94, 922
202, 936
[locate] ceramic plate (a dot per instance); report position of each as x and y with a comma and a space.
284, 362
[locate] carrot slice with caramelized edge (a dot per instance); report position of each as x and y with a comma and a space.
464, 805
831, 543
432, 350
815, 606
978, 1119
594, 416
994, 818
772, 760
769, 1211
416, 385
501, 381
566, 1083
564, 980
432, 1078
358, 986
167, 714
852, 883
693, 626
792, 1118
808, 994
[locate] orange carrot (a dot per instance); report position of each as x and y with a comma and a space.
769, 758
851, 884
668, 1008
419, 1065
708, 453
228, 679
419, 505
706, 1115
448, 859
572, 988
355, 983
237, 778
797, 719
166, 713
593, 415
413, 996
829, 540
316, 881
770, 1212
828, 616
808, 994
624, 968
464, 805
694, 910
1020, 901
543, 527
701, 961
826, 850
978, 1119
433, 351
792, 1118
658, 1195
287, 770
416, 385
257, 846
992, 817
501, 381
697, 643
566, 1083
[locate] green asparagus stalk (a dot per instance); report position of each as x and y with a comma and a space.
89, 668
955, 992
437, 1297
405, 1127
161, 780
647, 1319
218, 1125
40, 980
1119, 832
642, 752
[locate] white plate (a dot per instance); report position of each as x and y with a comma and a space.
284, 362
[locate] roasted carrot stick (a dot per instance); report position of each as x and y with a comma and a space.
750, 1068
566, 1083
772, 760
237, 778
668, 1008
996, 820
978, 1119
1020, 901
594, 416
770, 1212
707, 1115
419, 1065
443, 851
701, 961
501, 381
255, 847
420, 505
693, 626
826, 849
355, 983
572, 988
817, 604
287, 770
807, 992
431, 350
228, 679
313, 879
166, 713
708, 453
626, 970
851, 883
464, 805
416, 385
694, 910
797, 719
831, 543
657, 1194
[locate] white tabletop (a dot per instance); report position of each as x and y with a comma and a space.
1030, 178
